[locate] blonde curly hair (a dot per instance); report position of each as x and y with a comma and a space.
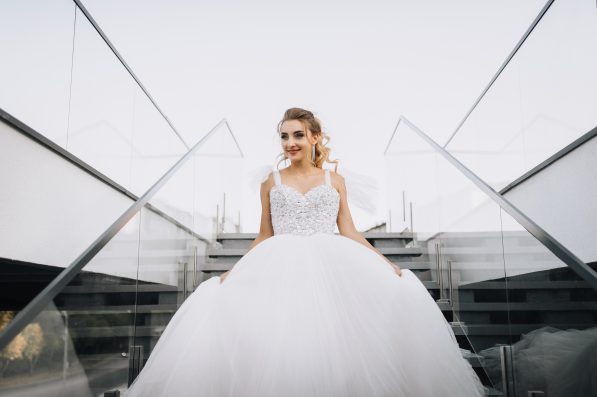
313, 124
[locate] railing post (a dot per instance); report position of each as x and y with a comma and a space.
185, 288
194, 267
412, 228
65, 340
389, 222
440, 273
223, 212
135, 361
507, 371
404, 206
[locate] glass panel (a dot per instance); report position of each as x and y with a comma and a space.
86, 330
553, 315
543, 100
408, 163
472, 277
37, 45
458, 227
510, 301
42, 359
99, 330
155, 145
204, 195
492, 134
101, 116
169, 269
117, 307
558, 80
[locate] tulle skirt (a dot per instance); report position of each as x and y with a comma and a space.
309, 315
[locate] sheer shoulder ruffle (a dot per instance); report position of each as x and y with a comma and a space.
361, 190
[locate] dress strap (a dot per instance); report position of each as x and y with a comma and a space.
277, 178
328, 180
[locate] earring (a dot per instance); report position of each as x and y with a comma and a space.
313, 153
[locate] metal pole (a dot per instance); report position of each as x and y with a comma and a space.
506, 368
65, 338
411, 217
194, 267
223, 211
403, 206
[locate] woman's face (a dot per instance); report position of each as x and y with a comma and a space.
296, 140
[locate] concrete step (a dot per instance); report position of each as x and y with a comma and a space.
521, 306
141, 331
525, 285
222, 264
377, 239
367, 235
509, 329
158, 288
443, 306
110, 289
239, 252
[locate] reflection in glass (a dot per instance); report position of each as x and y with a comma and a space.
42, 360
553, 318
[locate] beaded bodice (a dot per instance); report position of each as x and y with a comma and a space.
297, 213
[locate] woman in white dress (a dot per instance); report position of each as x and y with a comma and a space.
307, 312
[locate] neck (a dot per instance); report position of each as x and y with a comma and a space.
301, 167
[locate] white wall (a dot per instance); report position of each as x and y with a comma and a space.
562, 199
50, 210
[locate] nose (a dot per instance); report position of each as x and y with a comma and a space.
291, 144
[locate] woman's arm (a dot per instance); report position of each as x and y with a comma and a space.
346, 225
266, 229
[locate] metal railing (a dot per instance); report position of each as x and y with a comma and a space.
38, 303
579, 267
501, 68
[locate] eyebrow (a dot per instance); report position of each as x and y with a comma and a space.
293, 132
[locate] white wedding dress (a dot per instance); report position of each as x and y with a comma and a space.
308, 312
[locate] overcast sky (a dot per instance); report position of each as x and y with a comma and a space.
357, 65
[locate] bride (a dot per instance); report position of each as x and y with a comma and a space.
307, 312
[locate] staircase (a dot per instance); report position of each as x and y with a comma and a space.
112, 319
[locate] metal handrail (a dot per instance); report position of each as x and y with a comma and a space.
501, 69
565, 255
42, 299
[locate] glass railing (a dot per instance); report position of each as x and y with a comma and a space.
540, 102
523, 303
92, 328
63, 78
67, 88
97, 322
532, 129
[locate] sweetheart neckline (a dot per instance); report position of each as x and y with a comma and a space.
308, 191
